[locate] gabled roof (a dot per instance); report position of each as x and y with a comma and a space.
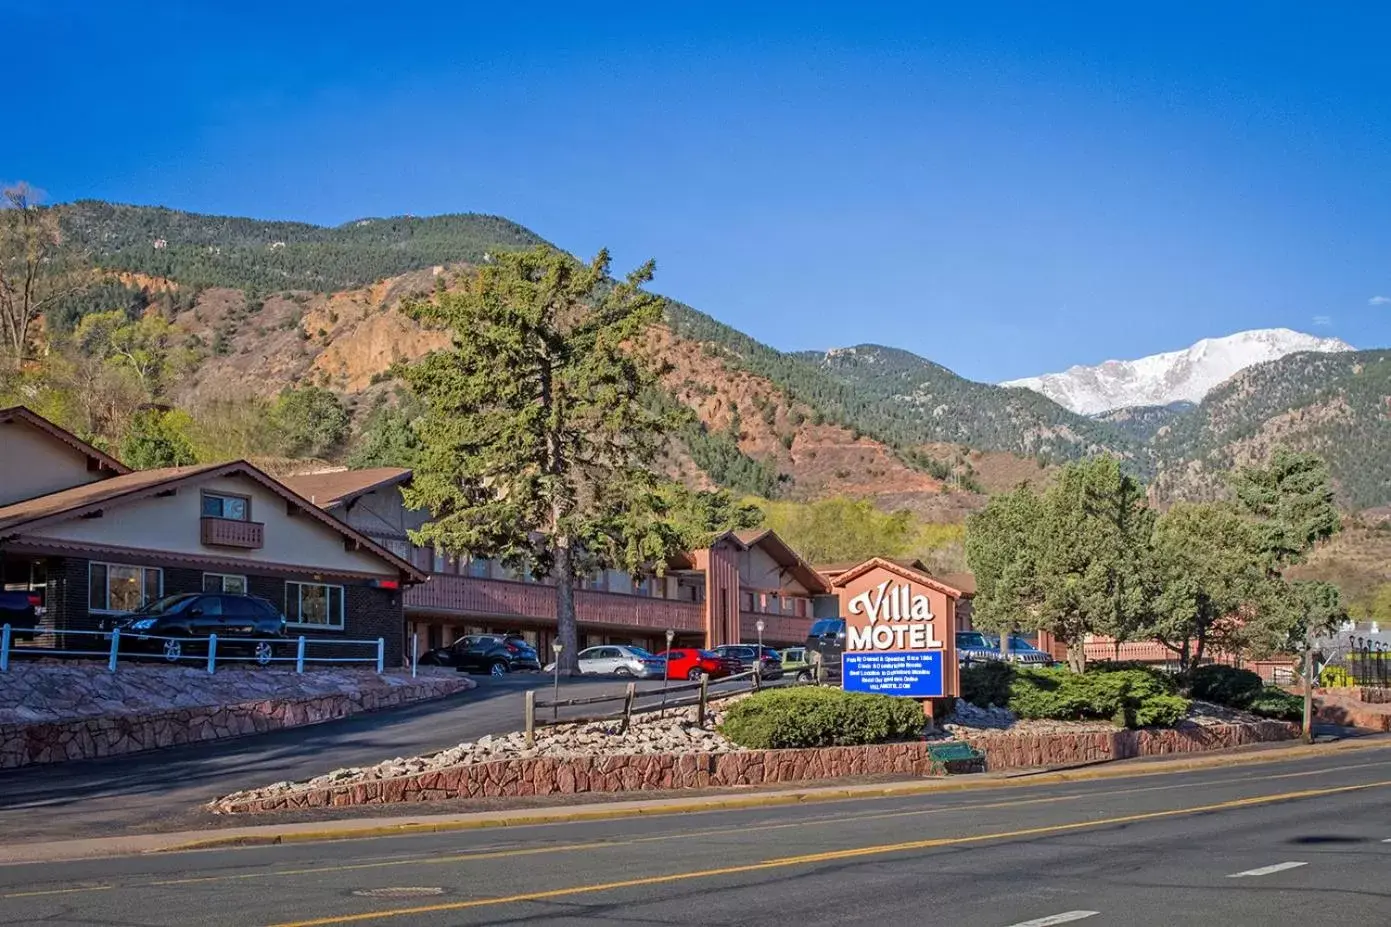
338, 487
129, 487
100, 459
912, 575
832, 570
966, 582
784, 556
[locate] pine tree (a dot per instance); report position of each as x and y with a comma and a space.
538, 444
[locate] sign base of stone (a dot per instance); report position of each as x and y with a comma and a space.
571, 775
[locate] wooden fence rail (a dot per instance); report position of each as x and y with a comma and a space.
630, 698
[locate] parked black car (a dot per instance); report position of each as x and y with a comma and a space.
20, 610
771, 663
176, 624
493, 654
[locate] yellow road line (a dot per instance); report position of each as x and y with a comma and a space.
59, 891
508, 852
828, 856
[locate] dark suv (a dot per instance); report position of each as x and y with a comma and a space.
176, 624
770, 666
20, 610
494, 654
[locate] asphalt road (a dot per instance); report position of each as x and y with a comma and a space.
1288, 843
165, 789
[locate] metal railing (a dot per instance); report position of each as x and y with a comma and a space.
113, 646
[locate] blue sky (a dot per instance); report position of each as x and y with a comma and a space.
1001, 189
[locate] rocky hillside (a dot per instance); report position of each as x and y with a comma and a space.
1338, 405
266, 305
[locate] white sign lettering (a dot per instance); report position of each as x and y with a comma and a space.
885, 605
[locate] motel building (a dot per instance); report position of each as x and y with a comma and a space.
91, 538
707, 597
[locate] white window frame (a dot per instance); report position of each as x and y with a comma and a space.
125, 566
246, 587
296, 588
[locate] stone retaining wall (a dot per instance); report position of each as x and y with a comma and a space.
119, 732
569, 775
1352, 712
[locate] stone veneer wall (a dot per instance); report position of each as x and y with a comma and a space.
1332, 707
569, 775
26, 744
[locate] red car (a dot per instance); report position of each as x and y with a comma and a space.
689, 662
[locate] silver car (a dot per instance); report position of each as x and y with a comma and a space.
621, 660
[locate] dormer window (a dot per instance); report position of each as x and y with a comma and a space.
229, 507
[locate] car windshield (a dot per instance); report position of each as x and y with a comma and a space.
165, 605
1015, 642
975, 640
639, 652
710, 654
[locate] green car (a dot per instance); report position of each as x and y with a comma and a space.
796, 662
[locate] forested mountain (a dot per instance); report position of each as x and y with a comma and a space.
252, 308
265, 256
1338, 405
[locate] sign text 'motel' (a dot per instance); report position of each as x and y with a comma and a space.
891, 649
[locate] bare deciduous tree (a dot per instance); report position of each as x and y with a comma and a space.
35, 269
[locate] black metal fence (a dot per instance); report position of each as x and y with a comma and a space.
1368, 663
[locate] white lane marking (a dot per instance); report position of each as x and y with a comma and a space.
1266, 870
1066, 917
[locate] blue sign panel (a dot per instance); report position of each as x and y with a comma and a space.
914, 673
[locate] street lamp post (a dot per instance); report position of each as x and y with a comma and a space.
758, 655
557, 647
666, 672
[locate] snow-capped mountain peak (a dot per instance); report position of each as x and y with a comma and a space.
1175, 376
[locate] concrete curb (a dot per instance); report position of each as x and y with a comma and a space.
353, 829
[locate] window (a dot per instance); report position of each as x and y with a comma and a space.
233, 508
789, 605
116, 587
314, 605
478, 566
224, 582
439, 560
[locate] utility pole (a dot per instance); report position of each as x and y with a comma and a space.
1308, 682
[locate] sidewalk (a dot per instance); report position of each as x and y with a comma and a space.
422, 821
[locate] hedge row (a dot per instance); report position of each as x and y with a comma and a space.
821, 717
1126, 696
1243, 689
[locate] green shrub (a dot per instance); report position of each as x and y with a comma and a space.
1224, 685
1130, 697
820, 717
1161, 711
1274, 702
987, 684
1336, 677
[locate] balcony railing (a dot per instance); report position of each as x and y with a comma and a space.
779, 629
228, 532
496, 598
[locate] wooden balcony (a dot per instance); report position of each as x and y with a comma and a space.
446, 594
777, 629
227, 532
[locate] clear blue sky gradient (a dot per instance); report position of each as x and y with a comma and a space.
1006, 189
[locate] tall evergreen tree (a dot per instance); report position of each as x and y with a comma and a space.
1210, 573
1002, 550
537, 444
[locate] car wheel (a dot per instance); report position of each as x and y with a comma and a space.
263, 653
693, 674
173, 650
623, 671
804, 676
497, 668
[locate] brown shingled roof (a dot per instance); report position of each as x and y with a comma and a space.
129, 487
33, 419
966, 582
334, 488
